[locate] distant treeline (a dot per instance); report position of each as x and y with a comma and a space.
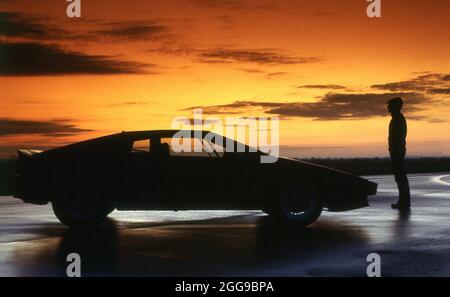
374, 166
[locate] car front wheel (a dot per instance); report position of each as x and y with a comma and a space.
298, 204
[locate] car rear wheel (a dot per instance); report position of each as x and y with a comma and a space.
81, 209
298, 204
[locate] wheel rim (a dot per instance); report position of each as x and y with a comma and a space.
297, 203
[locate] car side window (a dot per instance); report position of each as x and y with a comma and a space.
141, 146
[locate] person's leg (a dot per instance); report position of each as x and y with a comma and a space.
402, 182
399, 170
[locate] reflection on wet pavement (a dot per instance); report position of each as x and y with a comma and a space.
198, 243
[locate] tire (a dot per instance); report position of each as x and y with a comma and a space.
81, 209
298, 204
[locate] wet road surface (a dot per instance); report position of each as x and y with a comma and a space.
232, 243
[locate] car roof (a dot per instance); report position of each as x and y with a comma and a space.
124, 137
160, 133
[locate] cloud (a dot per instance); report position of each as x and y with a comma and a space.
139, 30
332, 106
177, 51
231, 108
268, 75
228, 56
237, 107
31, 59
275, 74
19, 25
331, 87
268, 57
236, 4
436, 85
250, 70
128, 103
13, 24
56, 128
193, 121
335, 106
445, 91
428, 82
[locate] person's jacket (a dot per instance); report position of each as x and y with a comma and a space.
397, 133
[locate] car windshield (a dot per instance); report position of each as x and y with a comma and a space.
192, 146
228, 145
210, 145
212, 148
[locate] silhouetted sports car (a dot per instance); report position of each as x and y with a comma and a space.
143, 170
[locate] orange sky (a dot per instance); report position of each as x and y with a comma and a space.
322, 65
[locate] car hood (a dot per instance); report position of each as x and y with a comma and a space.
324, 174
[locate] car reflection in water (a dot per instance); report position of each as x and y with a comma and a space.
235, 245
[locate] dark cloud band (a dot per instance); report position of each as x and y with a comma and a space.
32, 59
17, 25
329, 87
22, 26
57, 128
228, 55
332, 106
251, 56
435, 83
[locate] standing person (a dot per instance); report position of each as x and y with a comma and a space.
397, 151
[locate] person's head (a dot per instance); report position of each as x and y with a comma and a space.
394, 105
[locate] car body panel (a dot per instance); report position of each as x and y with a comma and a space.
108, 167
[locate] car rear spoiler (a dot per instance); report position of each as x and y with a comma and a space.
25, 158
27, 153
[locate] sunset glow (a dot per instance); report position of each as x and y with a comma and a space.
322, 66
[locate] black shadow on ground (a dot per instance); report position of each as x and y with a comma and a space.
216, 247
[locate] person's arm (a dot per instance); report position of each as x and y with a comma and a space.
397, 133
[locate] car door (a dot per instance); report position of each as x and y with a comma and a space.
234, 176
140, 177
184, 173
